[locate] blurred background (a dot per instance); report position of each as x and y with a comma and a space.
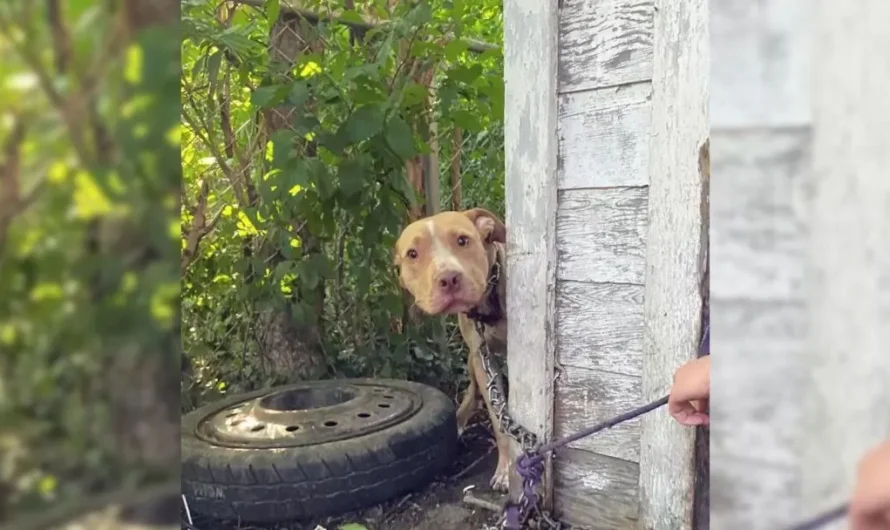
89, 245
230, 226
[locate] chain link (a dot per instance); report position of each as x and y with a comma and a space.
527, 440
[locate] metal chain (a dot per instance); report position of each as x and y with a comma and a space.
497, 397
528, 441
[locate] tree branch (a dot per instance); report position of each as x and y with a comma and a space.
10, 191
199, 228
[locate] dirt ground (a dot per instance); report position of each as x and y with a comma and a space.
439, 506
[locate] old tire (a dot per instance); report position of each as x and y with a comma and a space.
267, 480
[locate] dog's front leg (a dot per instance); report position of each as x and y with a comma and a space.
468, 404
500, 481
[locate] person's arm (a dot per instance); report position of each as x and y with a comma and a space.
870, 505
688, 402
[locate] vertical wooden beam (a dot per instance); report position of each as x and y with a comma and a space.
675, 253
530, 71
847, 371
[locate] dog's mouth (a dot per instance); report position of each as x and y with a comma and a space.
456, 306
451, 305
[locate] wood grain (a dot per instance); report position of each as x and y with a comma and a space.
530, 70
601, 235
587, 397
801, 289
755, 405
675, 253
599, 326
595, 491
751, 494
604, 43
604, 137
761, 71
758, 219
848, 281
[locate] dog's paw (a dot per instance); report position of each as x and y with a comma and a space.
500, 481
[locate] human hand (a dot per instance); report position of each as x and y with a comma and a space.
870, 505
688, 402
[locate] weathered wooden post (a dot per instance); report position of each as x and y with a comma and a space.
801, 265
606, 117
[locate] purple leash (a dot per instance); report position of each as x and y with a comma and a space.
530, 466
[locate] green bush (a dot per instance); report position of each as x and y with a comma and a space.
294, 153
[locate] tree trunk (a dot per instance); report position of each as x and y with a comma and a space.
288, 347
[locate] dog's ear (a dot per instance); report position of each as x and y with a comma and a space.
488, 224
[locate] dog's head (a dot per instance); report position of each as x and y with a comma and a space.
444, 262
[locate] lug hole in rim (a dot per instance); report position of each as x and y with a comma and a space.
383, 405
387, 396
363, 415
330, 423
258, 427
292, 428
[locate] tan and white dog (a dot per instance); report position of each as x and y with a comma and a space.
446, 262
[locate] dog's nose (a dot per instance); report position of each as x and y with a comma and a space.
448, 281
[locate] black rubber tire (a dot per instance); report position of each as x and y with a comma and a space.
276, 485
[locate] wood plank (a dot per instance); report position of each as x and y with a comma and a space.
756, 381
758, 231
757, 210
604, 137
601, 235
530, 71
599, 326
587, 397
595, 491
847, 362
604, 43
760, 72
676, 253
750, 494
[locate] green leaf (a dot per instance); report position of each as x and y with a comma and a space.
466, 120
364, 123
296, 175
213, 64
349, 15
313, 269
282, 269
414, 94
455, 48
309, 278
335, 143
465, 74
273, 8
268, 96
448, 95
299, 93
400, 137
352, 176
282, 145
419, 15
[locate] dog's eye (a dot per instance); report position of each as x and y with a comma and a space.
412, 254
462, 241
